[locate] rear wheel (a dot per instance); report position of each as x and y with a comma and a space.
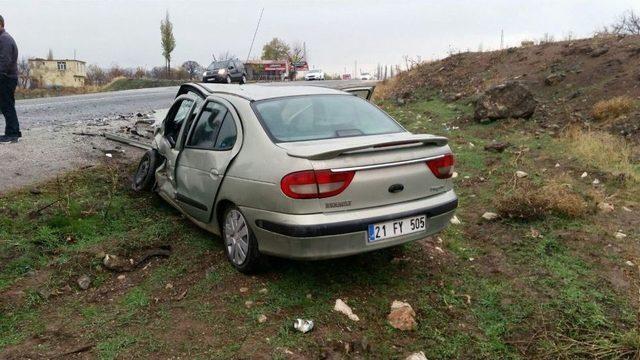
240, 243
145, 175
243, 80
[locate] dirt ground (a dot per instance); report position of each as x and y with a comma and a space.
46, 152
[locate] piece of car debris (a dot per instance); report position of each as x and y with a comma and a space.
302, 325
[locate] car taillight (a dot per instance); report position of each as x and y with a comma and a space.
314, 184
442, 167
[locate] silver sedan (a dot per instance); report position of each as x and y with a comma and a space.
304, 172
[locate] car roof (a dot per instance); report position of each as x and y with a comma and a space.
261, 92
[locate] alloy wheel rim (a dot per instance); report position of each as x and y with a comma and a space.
142, 171
236, 237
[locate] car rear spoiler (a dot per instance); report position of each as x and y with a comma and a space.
331, 149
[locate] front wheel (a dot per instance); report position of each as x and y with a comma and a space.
240, 243
243, 80
228, 79
145, 175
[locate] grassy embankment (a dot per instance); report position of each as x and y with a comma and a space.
548, 279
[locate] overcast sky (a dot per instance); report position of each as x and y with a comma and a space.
337, 33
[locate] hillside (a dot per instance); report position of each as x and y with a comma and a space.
567, 78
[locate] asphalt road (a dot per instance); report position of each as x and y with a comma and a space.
34, 113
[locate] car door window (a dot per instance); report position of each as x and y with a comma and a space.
176, 116
205, 132
227, 135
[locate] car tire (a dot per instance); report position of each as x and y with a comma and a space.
229, 79
243, 80
145, 176
240, 244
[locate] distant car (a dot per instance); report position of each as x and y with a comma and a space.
227, 71
315, 74
305, 172
366, 76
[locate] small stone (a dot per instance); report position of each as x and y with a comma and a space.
630, 263
342, 307
455, 221
620, 235
497, 146
584, 175
606, 207
169, 286
454, 175
489, 216
84, 282
309, 296
521, 174
557, 165
244, 289
596, 182
402, 316
262, 318
248, 304
263, 291
121, 277
417, 356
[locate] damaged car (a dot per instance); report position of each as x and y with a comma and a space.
302, 172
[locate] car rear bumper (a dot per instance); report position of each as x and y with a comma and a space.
330, 235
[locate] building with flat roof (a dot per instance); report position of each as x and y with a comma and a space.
57, 73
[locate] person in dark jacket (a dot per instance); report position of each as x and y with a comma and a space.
8, 83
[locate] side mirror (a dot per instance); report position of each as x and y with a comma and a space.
230, 67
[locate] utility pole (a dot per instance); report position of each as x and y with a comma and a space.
355, 69
254, 34
501, 39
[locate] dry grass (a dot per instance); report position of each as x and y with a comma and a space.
602, 150
527, 202
613, 108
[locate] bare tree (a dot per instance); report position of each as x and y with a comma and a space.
628, 24
224, 56
167, 40
24, 73
192, 68
96, 75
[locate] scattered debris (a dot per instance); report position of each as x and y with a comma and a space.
595, 182
584, 175
630, 263
489, 216
626, 209
302, 325
121, 277
262, 318
454, 175
521, 174
417, 356
455, 221
557, 165
342, 307
248, 304
402, 316
182, 295
84, 282
263, 291
118, 264
497, 146
244, 289
605, 207
169, 286
620, 235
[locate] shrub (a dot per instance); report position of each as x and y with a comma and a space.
613, 108
607, 152
527, 202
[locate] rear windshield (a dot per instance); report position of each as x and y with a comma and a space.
315, 117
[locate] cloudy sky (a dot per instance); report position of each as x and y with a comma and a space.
337, 33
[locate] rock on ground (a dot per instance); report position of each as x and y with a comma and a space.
84, 282
417, 356
342, 307
490, 216
402, 316
508, 100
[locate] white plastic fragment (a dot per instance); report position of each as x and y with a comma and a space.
342, 307
455, 221
302, 325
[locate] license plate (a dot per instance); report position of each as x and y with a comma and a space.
395, 228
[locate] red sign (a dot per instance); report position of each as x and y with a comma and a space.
275, 67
